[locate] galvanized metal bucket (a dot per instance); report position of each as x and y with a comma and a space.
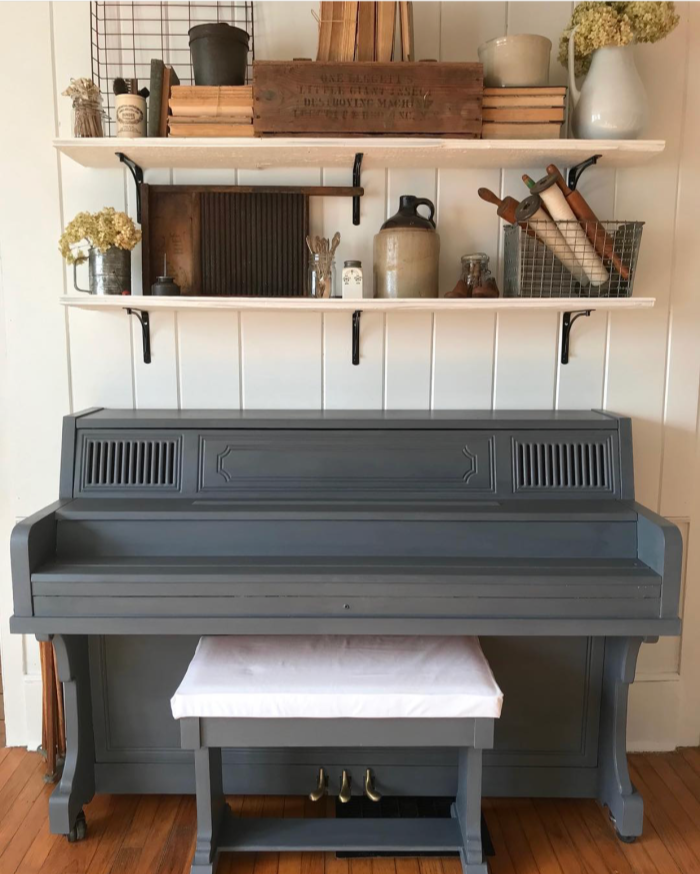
109, 272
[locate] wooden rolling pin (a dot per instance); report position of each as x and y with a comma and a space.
506, 208
531, 212
603, 244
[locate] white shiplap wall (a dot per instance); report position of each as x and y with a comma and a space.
644, 364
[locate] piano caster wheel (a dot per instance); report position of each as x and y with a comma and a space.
626, 839
79, 830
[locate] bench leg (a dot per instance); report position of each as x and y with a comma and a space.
210, 809
467, 810
615, 789
77, 785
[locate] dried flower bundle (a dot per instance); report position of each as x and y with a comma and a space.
614, 24
86, 99
98, 230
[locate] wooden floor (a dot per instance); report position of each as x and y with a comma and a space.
155, 834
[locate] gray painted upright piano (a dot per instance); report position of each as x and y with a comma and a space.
520, 527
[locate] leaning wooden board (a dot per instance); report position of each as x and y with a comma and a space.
316, 98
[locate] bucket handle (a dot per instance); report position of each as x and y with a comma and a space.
75, 280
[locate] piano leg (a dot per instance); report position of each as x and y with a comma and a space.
615, 789
467, 810
77, 784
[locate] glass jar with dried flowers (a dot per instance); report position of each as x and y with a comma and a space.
105, 239
597, 42
87, 107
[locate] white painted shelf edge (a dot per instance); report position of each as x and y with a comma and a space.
413, 152
305, 304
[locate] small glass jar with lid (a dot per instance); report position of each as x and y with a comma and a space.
476, 275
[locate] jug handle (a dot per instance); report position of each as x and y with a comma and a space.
423, 201
75, 280
573, 90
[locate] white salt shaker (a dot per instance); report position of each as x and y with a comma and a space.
352, 280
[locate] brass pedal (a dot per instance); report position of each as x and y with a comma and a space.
370, 791
345, 794
322, 787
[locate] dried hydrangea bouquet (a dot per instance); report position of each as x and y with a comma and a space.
598, 42
105, 239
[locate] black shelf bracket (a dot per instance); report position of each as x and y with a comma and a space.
575, 172
137, 173
145, 320
356, 183
356, 336
566, 325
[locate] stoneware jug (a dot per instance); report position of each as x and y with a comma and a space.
612, 104
407, 252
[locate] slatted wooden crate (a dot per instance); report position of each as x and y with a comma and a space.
523, 113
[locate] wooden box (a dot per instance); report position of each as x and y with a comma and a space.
318, 98
523, 113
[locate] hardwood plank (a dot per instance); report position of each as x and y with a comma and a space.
163, 823
564, 849
19, 778
690, 775
35, 823
514, 838
649, 854
14, 758
537, 838
501, 862
601, 830
681, 806
589, 853
179, 848
669, 831
290, 863
16, 816
120, 822
64, 858
426, 865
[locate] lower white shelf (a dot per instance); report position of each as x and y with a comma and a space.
306, 304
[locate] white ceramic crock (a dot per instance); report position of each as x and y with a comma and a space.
517, 61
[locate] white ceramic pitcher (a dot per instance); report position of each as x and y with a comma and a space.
612, 103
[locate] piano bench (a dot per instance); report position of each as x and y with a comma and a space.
336, 692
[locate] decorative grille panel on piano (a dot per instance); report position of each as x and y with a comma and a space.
563, 466
131, 463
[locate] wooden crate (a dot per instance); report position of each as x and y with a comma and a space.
523, 113
316, 98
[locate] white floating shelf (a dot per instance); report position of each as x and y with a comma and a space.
306, 304
413, 152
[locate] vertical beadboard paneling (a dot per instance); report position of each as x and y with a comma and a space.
464, 342
208, 360
427, 16
156, 383
463, 361
581, 383
681, 410
347, 386
281, 356
525, 365
545, 19
101, 363
464, 26
638, 350
408, 361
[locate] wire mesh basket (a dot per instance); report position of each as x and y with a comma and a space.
570, 259
124, 37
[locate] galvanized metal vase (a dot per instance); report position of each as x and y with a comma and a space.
109, 272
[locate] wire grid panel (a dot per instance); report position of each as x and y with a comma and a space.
124, 37
570, 259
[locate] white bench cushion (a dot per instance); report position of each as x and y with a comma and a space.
330, 677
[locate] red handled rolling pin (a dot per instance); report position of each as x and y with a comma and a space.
602, 243
506, 207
